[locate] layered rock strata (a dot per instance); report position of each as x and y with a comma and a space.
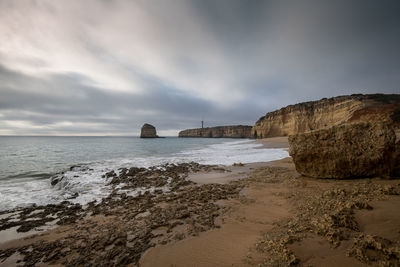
236, 131
351, 150
148, 131
325, 113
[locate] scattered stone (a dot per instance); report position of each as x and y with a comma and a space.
158, 205
328, 213
375, 250
36, 216
122, 226
56, 179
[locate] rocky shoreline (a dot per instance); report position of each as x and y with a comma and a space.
121, 227
280, 210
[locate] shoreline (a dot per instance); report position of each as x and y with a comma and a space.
274, 142
274, 223
171, 207
80, 178
241, 215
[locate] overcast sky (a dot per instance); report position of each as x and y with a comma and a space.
106, 67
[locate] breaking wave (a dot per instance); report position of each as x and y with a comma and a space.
86, 182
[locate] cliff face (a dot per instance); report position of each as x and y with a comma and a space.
237, 131
324, 113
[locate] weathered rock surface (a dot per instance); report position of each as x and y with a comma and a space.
346, 151
325, 113
117, 230
396, 170
236, 131
148, 131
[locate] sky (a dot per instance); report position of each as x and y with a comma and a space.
106, 67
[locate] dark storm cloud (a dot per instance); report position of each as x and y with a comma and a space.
64, 69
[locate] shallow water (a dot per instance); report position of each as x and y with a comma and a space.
28, 163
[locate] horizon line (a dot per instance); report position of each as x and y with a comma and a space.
79, 135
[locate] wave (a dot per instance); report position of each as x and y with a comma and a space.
31, 174
84, 182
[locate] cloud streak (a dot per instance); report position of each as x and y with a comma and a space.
106, 67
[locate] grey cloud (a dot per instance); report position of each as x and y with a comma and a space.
111, 113
122, 63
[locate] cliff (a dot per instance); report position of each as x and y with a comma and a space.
236, 131
327, 112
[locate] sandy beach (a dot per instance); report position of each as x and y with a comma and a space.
274, 142
230, 133
271, 224
260, 214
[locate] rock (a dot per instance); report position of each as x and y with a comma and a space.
148, 131
56, 179
235, 131
327, 112
396, 168
350, 150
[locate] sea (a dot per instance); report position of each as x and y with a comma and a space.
28, 164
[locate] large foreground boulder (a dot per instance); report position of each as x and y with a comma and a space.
148, 131
346, 151
396, 169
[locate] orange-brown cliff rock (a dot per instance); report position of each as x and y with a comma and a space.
326, 112
236, 131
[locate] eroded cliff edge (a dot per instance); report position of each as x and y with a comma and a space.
235, 131
327, 112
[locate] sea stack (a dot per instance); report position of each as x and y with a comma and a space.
148, 131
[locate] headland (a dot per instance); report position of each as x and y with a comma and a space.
277, 213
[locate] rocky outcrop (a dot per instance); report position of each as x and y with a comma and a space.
325, 113
396, 170
351, 150
236, 131
148, 131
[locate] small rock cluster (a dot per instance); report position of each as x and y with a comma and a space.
327, 213
116, 231
29, 218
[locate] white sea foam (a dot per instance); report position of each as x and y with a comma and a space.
86, 179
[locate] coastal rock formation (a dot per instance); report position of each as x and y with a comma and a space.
345, 151
396, 169
325, 113
236, 131
148, 131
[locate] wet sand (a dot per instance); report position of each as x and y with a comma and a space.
274, 142
261, 214
254, 213
275, 195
